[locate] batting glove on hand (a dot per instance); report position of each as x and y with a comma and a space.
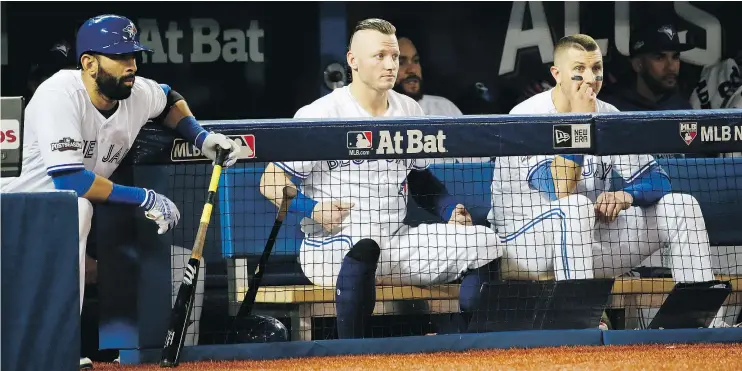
214, 141
161, 210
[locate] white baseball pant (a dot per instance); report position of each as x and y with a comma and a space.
563, 240
425, 255
179, 260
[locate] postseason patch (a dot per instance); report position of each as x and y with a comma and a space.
66, 144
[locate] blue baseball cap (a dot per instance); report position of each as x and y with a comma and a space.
108, 34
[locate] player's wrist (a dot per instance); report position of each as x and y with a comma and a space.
191, 130
128, 195
302, 205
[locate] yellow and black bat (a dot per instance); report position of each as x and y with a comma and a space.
181, 312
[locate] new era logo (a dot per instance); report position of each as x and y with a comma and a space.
359, 140
572, 136
562, 136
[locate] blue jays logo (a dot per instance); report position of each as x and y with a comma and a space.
131, 30
667, 30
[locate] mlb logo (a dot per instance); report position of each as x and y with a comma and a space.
247, 145
359, 140
688, 131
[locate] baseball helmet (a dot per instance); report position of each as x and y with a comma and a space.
257, 328
108, 34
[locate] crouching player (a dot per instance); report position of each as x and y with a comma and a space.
558, 214
80, 124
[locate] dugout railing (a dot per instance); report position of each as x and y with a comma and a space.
244, 217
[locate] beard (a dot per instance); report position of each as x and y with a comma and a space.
656, 86
399, 87
112, 87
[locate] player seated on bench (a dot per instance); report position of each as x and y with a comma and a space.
557, 214
354, 210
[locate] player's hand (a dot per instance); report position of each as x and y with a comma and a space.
460, 216
582, 98
610, 204
331, 214
214, 141
161, 210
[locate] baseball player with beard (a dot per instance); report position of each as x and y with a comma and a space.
354, 210
80, 124
559, 215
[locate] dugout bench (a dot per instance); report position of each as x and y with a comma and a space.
285, 293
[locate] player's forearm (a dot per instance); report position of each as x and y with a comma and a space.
97, 188
566, 171
181, 119
649, 187
272, 182
177, 112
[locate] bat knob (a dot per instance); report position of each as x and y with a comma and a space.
221, 156
289, 192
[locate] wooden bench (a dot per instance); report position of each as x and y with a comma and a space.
302, 303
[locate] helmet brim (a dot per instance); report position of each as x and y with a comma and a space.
124, 48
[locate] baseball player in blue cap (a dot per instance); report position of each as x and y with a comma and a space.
80, 124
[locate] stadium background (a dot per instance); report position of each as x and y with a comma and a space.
460, 46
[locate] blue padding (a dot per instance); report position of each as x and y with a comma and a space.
40, 282
470, 184
398, 345
249, 216
675, 336
717, 185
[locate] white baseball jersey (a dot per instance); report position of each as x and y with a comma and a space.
375, 186
511, 191
434, 105
427, 254
716, 86
64, 131
562, 237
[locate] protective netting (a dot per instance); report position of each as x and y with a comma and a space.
471, 224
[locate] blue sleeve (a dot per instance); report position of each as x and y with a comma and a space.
80, 181
165, 88
190, 129
541, 179
188, 126
649, 187
301, 204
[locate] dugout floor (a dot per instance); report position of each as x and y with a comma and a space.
696, 357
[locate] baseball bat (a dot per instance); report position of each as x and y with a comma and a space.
254, 284
181, 311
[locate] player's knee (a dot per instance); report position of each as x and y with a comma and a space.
581, 208
679, 199
679, 204
365, 251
